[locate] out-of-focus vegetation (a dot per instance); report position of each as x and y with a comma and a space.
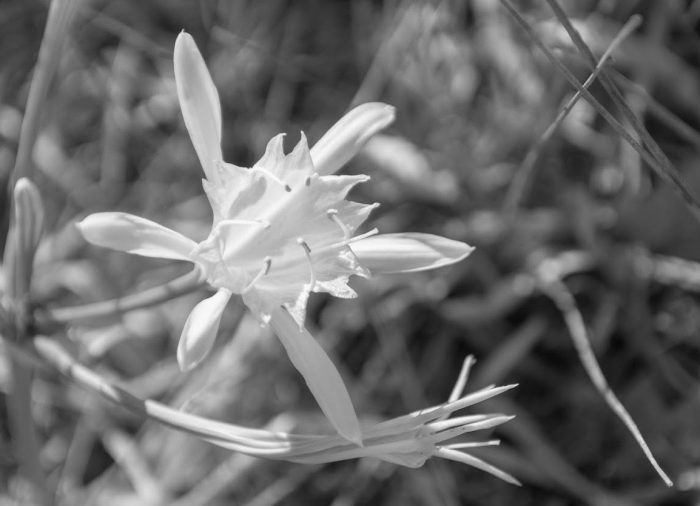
473, 97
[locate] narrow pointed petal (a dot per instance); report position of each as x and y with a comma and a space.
348, 135
199, 102
391, 253
320, 374
200, 330
126, 232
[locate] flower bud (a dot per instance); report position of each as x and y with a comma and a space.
29, 215
23, 239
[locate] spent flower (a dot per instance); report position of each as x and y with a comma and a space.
408, 440
281, 230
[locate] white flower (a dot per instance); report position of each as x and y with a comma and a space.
281, 230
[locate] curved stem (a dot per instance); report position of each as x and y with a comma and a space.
257, 442
149, 297
559, 293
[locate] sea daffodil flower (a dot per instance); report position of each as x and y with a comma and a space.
281, 230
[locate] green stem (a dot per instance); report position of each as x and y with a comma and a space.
149, 297
26, 445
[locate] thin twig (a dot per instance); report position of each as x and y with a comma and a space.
61, 15
662, 113
523, 176
663, 166
672, 176
556, 290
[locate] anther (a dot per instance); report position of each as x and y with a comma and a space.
304, 245
333, 215
262, 272
308, 181
277, 180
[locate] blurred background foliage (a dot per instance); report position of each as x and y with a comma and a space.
473, 97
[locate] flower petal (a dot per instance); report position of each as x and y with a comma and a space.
200, 330
199, 102
126, 232
291, 169
390, 253
320, 374
348, 135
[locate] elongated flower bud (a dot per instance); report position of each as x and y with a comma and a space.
29, 214
23, 238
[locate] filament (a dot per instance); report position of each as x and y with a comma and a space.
333, 215
262, 272
307, 252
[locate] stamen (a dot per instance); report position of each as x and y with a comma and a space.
262, 272
307, 252
308, 181
333, 215
269, 174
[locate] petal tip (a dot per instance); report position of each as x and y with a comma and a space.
183, 38
467, 250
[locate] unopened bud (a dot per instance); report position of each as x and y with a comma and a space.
23, 239
29, 215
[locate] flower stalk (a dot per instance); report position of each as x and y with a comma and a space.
174, 288
409, 440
